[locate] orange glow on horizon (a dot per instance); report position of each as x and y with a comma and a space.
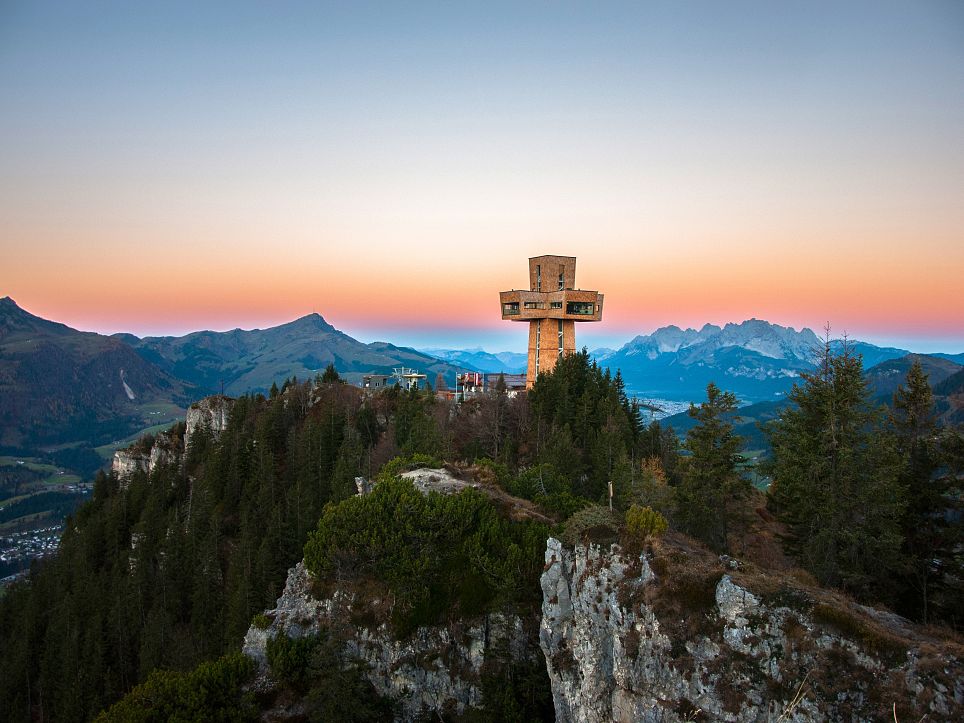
912, 296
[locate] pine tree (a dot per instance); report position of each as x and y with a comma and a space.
711, 481
914, 416
929, 541
835, 471
330, 376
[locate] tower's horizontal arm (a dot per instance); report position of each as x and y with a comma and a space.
569, 304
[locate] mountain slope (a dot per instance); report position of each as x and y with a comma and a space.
59, 385
949, 398
884, 378
956, 358
251, 360
871, 355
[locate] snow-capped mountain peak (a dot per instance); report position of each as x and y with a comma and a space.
755, 335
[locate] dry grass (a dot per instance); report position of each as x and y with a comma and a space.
873, 637
755, 536
684, 596
683, 599
515, 508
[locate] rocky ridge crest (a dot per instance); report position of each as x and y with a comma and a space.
617, 649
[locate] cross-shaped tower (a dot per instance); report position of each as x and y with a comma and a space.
551, 306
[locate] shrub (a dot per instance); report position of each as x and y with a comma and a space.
290, 659
213, 691
498, 471
261, 621
594, 523
435, 552
340, 690
644, 522
649, 488
544, 485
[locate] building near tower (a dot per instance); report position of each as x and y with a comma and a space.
552, 305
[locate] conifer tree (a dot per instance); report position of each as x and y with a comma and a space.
835, 471
711, 481
929, 541
331, 375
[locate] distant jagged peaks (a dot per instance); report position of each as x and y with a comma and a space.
756, 335
755, 359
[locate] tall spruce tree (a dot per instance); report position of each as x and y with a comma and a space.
711, 482
836, 477
930, 541
330, 376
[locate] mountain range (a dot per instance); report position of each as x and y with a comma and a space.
65, 392
252, 360
59, 386
755, 359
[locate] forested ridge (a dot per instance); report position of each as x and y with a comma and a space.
167, 571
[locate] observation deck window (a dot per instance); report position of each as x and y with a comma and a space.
582, 308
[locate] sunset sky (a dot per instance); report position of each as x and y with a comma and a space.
166, 168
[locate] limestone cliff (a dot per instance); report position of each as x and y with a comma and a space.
212, 412
149, 452
669, 633
128, 461
671, 637
434, 670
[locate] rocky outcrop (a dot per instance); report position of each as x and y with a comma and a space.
436, 669
128, 461
149, 453
167, 450
443, 481
625, 643
212, 412
452, 480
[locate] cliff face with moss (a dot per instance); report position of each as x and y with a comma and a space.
672, 634
212, 412
149, 453
424, 585
435, 670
